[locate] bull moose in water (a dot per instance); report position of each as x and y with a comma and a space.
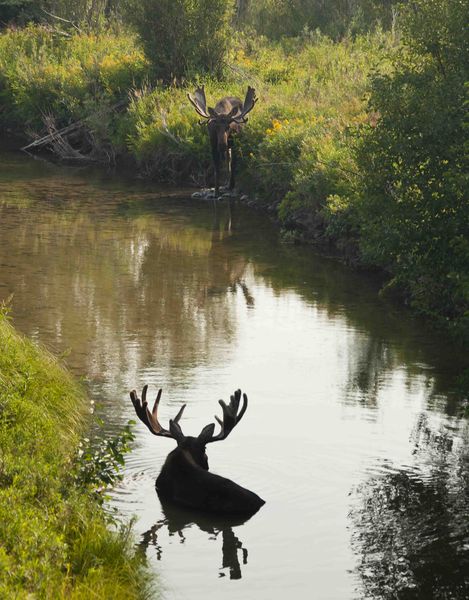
223, 121
184, 478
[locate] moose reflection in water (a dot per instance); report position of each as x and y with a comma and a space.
185, 478
176, 520
223, 121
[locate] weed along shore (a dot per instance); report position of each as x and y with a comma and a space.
56, 540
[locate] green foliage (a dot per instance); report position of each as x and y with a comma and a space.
70, 78
414, 210
17, 11
63, 13
278, 18
182, 37
80, 12
56, 541
160, 130
309, 93
100, 461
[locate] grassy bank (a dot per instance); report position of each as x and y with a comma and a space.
54, 536
311, 90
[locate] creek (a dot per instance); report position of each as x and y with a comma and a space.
353, 434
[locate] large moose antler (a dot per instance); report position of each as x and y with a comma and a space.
150, 418
249, 102
231, 418
199, 102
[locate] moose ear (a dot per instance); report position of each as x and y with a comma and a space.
176, 431
212, 112
206, 434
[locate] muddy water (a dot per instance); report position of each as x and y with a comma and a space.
352, 435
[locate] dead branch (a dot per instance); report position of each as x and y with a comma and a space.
74, 25
46, 139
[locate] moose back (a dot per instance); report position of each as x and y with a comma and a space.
184, 478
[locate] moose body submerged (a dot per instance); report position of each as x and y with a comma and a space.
223, 121
184, 478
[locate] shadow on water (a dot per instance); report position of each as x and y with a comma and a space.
410, 526
176, 520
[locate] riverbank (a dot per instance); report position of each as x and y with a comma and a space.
56, 540
315, 153
296, 155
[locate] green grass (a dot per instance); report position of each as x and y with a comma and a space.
44, 74
311, 92
56, 541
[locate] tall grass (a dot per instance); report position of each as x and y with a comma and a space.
297, 151
55, 540
45, 73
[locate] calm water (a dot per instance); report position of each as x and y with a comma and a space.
352, 435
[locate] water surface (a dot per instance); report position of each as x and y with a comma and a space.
352, 436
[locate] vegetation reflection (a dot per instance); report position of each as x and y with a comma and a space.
129, 276
104, 273
410, 526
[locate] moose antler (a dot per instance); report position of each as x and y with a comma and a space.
199, 102
248, 105
230, 416
151, 418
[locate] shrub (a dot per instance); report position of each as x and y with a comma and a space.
182, 37
19, 11
414, 210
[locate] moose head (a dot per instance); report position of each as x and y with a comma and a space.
226, 119
185, 478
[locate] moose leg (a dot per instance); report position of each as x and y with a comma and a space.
217, 179
217, 167
232, 164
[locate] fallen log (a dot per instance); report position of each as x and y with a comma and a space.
61, 133
51, 136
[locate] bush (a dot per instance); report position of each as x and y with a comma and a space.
414, 210
18, 11
85, 13
182, 37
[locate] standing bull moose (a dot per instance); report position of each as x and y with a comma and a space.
184, 478
223, 121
